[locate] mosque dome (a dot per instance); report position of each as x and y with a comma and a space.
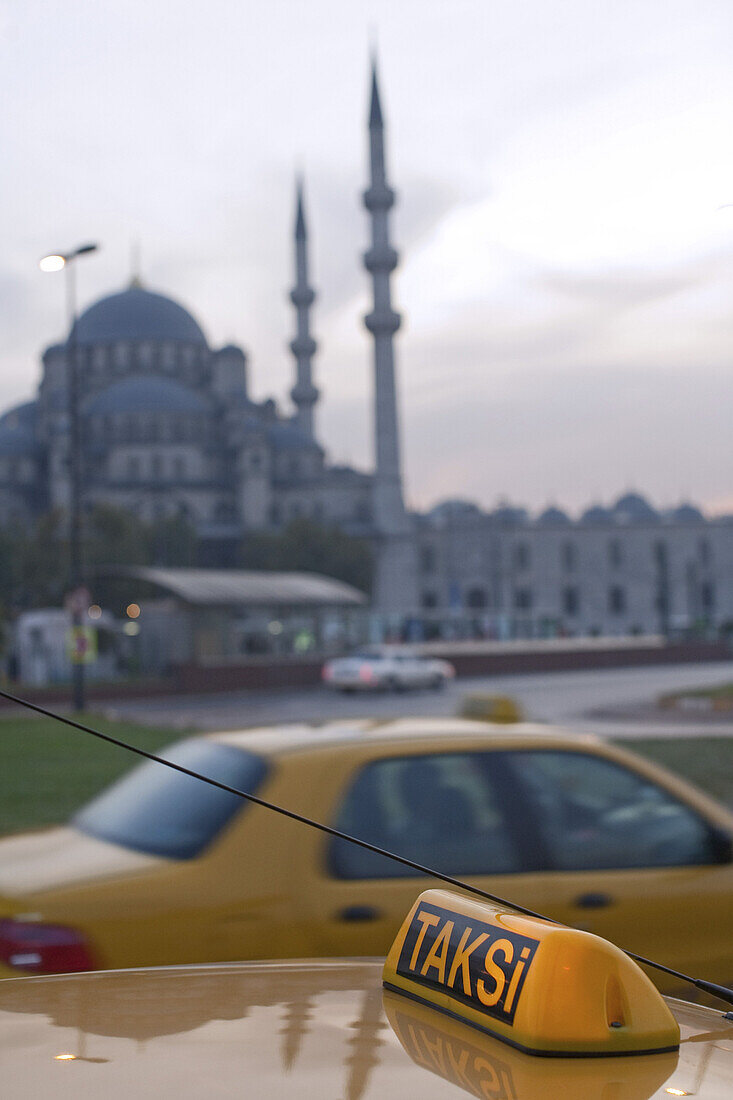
144, 394
686, 513
553, 517
137, 314
289, 437
596, 514
453, 510
508, 515
18, 431
633, 508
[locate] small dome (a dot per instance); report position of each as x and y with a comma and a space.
137, 314
686, 513
143, 394
596, 514
632, 507
288, 437
553, 517
18, 430
452, 510
509, 516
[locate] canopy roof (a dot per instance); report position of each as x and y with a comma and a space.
223, 587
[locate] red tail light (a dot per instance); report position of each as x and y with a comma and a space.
43, 948
365, 674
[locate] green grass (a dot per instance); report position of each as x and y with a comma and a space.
705, 761
720, 691
48, 770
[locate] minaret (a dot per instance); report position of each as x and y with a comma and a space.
383, 322
303, 347
395, 587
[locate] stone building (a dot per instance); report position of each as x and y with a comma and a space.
626, 569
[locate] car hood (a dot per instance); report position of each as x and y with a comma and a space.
306, 1030
33, 863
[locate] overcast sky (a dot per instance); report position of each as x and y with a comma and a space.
566, 272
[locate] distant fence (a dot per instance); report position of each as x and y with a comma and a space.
468, 659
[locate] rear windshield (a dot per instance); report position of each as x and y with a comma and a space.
158, 810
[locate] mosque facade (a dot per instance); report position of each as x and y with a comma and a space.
168, 428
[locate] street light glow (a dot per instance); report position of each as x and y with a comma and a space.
52, 263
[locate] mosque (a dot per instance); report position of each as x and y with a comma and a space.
168, 427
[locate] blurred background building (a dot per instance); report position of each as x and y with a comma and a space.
169, 429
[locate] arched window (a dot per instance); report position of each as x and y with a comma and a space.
476, 599
569, 556
615, 554
616, 600
521, 555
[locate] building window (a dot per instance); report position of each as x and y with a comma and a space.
179, 467
616, 600
703, 552
429, 601
427, 559
476, 599
569, 556
121, 354
522, 599
224, 513
520, 555
570, 601
707, 597
156, 466
615, 554
133, 468
255, 460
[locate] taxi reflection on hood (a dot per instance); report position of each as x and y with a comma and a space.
492, 1070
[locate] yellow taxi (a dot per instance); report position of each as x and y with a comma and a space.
162, 869
471, 1000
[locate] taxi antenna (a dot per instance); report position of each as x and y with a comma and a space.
720, 991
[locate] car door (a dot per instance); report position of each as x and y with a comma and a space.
446, 809
630, 860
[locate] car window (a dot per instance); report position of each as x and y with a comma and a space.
163, 812
445, 811
595, 814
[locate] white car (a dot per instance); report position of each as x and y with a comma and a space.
386, 668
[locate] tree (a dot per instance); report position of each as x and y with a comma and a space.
310, 547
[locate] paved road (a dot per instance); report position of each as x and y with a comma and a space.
570, 698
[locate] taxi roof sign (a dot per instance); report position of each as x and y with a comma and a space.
540, 987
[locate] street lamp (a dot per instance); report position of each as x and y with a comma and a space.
55, 262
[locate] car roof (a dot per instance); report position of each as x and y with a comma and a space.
302, 1029
301, 737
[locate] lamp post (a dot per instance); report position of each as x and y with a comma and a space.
56, 262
